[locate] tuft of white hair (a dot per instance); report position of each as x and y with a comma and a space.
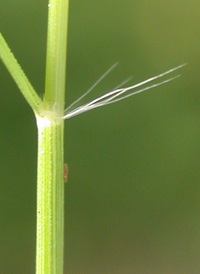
117, 94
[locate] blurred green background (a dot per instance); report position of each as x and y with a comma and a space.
132, 203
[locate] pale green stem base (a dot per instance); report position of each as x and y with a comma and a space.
50, 197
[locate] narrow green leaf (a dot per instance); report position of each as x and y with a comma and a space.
19, 76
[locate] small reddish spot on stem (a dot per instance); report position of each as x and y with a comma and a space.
65, 172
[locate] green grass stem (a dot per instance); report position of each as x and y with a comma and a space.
50, 197
50, 187
56, 53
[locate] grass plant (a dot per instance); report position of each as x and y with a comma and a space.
50, 116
